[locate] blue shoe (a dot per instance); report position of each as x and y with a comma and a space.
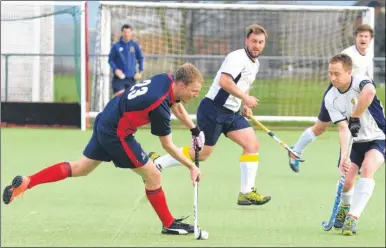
293, 162
350, 226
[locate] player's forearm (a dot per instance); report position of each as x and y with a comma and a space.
366, 97
344, 137
229, 86
183, 116
178, 155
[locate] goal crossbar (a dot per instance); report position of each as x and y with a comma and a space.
230, 6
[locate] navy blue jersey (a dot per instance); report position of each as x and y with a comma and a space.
146, 102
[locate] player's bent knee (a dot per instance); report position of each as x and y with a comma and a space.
251, 148
153, 181
205, 153
83, 167
150, 174
348, 184
368, 171
319, 128
373, 160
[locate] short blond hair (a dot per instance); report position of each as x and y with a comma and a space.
256, 29
188, 73
344, 59
364, 28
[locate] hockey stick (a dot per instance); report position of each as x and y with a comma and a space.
270, 133
197, 231
327, 226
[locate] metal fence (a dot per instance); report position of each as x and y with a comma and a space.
58, 75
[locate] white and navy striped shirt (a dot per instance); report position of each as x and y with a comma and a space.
362, 64
340, 106
243, 70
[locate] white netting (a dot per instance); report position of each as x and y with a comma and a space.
293, 70
27, 45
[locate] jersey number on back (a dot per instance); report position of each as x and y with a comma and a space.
138, 89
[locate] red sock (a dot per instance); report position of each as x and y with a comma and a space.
158, 201
51, 174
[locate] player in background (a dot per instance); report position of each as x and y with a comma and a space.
353, 105
123, 59
219, 113
362, 59
113, 140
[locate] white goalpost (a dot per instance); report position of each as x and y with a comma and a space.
28, 50
293, 71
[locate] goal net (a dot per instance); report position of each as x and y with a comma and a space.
293, 67
33, 34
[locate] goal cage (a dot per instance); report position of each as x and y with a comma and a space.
43, 44
293, 66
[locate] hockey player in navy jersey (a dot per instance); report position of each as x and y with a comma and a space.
150, 101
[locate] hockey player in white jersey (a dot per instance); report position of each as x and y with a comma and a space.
353, 105
219, 113
362, 58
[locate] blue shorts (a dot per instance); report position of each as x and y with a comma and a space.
122, 84
360, 149
324, 116
106, 146
214, 120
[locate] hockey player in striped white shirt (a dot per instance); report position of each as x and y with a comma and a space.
362, 58
353, 105
223, 111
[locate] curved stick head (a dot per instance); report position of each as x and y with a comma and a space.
197, 233
326, 226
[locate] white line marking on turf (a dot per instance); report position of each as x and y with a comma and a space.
127, 219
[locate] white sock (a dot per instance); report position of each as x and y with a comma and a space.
249, 164
306, 138
363, 190
167, 160
347, 197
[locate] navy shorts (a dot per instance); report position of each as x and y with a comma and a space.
359, 150
214, 121
324, 116
106, 146
122, 84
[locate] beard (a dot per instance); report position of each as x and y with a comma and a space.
250, 53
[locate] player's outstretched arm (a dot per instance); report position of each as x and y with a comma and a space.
365, 98
179, 111
172, 149
226, 82
198, 137
344, 139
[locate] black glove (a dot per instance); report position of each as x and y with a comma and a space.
198, 139
354, 125
195, 131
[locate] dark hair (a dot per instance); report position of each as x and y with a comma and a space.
126, 26
374, 4
344, 59
364, 28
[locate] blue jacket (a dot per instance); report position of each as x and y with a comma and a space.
124, 56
